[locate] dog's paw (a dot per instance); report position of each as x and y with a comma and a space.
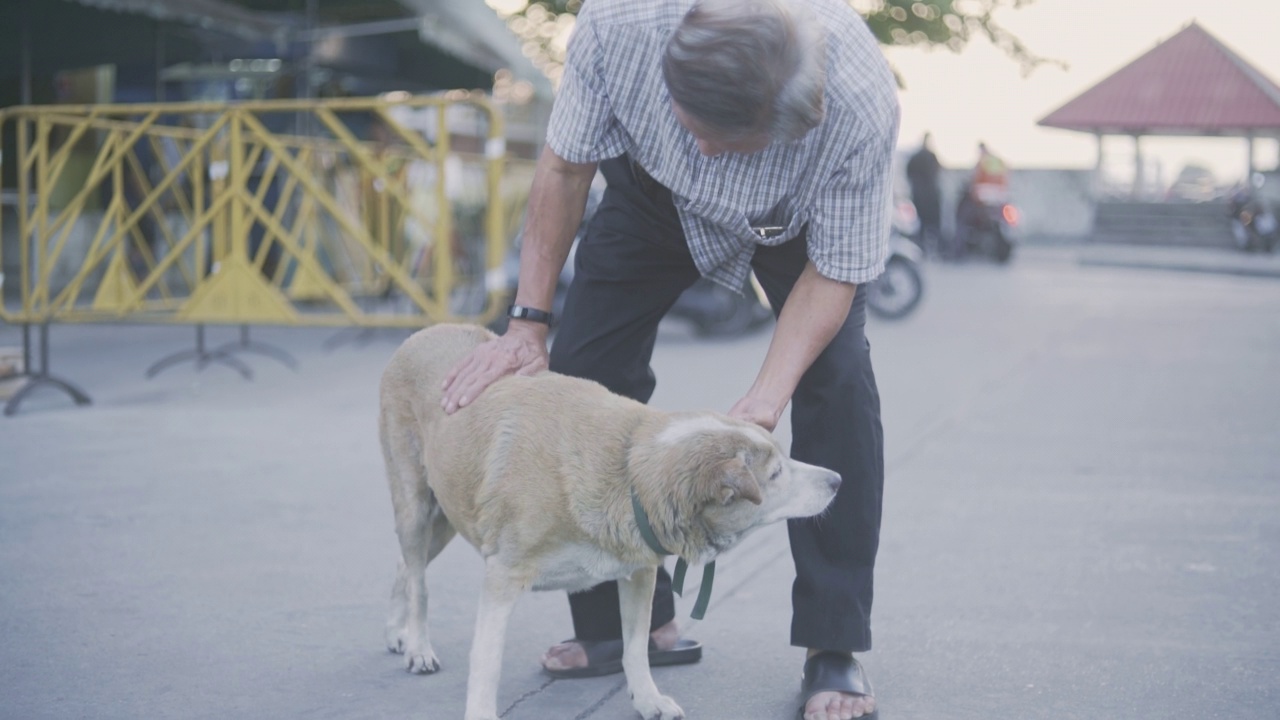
421, 663
660, 707
397, 641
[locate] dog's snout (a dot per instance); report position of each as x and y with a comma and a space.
833, 481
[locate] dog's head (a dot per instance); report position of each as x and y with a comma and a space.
708, 480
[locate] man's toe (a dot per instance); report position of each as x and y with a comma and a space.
564, 656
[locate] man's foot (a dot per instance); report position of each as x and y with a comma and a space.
823, 677
571, 655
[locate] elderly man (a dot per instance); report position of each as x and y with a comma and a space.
735, 135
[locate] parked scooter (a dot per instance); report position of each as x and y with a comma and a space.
984, 227
1253, 221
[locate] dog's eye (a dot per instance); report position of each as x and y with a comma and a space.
777, 472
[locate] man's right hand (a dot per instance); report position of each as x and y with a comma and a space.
521, 351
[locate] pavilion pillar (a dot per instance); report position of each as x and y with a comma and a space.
1138, 171
1099, 162
1250, 167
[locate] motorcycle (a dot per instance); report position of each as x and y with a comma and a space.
1253, 222
984, 226
900, 287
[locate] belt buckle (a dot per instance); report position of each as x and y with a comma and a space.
767, 232
642, 176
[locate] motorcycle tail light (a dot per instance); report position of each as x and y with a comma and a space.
1010, 214
906, 212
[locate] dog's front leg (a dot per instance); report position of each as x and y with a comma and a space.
635, 602
497, 598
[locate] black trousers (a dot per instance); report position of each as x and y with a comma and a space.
630, 267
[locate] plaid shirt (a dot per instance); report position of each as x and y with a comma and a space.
835, 180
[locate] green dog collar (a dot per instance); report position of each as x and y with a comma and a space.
682, 567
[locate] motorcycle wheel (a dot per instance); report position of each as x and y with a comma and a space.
1003, 249
897, 292
1240, 234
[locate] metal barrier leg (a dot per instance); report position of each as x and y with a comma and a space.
362, 336
201, 357
41, 377
355, 336
247, 345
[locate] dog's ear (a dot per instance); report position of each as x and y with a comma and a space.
737, 480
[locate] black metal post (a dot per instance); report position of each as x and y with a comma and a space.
25, 51
26, 348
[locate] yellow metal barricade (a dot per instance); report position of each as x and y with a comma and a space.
383, 214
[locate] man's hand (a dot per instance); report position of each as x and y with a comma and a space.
556, 201
521, 351
813, 313
757, 411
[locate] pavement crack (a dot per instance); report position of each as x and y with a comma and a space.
526, 696
600, 703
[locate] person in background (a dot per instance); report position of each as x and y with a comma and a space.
990, 184
922, 175
988, 187
734, 136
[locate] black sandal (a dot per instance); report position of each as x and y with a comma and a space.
834, 672
604, 657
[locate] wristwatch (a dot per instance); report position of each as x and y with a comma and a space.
520, 312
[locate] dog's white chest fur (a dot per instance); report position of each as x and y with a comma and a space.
578, 566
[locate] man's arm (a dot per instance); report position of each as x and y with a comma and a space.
848, 238
557, 199
814, 312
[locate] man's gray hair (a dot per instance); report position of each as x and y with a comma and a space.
748, 67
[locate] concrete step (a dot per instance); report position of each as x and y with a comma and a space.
1163, 224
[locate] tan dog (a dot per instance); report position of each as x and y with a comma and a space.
538, 474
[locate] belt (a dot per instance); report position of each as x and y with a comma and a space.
644, 179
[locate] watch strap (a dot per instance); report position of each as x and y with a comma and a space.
520, 312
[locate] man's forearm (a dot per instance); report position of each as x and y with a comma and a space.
556, 202
814, 312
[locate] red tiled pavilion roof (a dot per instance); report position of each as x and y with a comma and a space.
1190, 84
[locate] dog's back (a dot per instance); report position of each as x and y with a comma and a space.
412, 380
482, 463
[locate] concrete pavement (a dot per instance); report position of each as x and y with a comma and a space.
1082, 520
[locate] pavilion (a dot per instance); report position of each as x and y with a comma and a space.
1191, 85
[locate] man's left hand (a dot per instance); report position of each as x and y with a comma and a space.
756, 411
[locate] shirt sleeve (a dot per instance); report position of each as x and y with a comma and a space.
848, 235
583, 127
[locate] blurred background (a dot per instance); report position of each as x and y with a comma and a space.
219, 217
1148, 122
